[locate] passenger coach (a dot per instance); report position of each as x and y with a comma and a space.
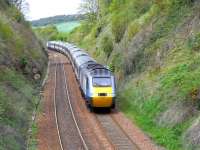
97, 83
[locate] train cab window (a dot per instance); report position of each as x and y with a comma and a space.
102, 81
87, 83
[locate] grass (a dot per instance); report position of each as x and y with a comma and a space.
142, 102
6, 31
20, 52
67, 26
33, 139
107, 45
16, 108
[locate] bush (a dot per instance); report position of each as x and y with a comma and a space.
47, 33
15, 14
23, 62
5, 30
133, 28
107, 45
194, 42
119, 24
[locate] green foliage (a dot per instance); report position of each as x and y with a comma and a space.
119, 24
81, 32
19, 45
5, 30
15, 14
107, 45
32, 145
143, 102
116, 5
182, 77
23, 62
47, 33
133, 28
3, 105
9, 142
15, 92
194, 42
115, 63
167, 25
144, 19
104, 7
67, 26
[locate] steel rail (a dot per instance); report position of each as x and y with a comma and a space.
55, 110
72, 111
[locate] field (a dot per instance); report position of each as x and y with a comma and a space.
67, 26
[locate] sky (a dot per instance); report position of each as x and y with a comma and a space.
46, 8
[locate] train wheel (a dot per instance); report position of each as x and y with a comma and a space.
82, 93
113, 106
91, 108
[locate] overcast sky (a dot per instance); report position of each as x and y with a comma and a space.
46, 8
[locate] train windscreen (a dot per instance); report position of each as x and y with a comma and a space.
101, 81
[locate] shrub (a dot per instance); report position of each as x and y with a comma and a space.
15, 14
194, 42
133, 28
48, 33
3, 104
5, 30
119, 24
23, 62
107, 45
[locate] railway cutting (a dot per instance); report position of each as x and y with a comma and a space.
76, 126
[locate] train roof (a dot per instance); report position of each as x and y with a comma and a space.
79, 53
94, 69
82, 60
87, 64
100, 71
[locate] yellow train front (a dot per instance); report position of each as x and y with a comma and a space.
98, 86
102, 92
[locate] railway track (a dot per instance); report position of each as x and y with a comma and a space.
120, 140
69, 133
72, 126
55, 110
114, 133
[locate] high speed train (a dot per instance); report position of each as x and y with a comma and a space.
97, 83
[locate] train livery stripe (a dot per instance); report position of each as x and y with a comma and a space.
97, 90
102, 101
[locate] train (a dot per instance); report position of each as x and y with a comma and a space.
96, 81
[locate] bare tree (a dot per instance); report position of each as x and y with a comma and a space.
22, 5
90, 7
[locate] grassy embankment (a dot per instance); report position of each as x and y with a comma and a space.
67, 26
22, 63
153, 49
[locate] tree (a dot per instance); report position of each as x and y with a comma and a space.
90, 8
22, 5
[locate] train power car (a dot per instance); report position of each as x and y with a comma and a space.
97, 83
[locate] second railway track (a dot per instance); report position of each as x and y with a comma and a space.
68, 130
120, 140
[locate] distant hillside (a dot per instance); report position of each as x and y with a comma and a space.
57, 19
